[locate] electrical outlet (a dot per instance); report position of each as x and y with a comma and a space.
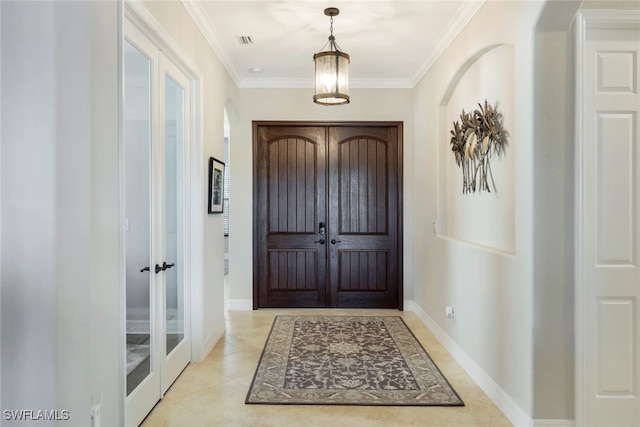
450, 312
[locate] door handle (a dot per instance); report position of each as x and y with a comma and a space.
321, 241
157, 268
334, 241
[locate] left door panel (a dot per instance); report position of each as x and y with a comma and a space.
291, 226
140, 122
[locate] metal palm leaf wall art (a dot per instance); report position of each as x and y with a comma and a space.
475, 140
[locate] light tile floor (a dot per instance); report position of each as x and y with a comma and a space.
212, 392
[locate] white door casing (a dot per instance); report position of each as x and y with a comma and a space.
607, 219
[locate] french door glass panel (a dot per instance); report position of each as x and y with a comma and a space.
175, 117
137, 173
174, 173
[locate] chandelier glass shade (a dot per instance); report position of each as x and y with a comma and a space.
332, 71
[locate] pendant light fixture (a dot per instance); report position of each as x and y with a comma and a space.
332, 70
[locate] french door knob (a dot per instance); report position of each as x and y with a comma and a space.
334, 241
159, 269
166, 266
321, 241
144, 269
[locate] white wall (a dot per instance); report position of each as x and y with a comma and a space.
29, 240
553, 266
297, 104
0, 203
106, 342
60, 316
490, 77
553, 313
491, 291
611, 4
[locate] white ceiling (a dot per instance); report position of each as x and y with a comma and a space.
392, 43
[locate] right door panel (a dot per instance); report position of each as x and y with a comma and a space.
364, 220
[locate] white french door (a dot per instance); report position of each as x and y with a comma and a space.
608, 220
156, 139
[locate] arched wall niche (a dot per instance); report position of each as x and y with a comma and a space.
484, 219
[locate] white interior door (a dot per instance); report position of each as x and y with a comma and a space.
156, 138
609, 223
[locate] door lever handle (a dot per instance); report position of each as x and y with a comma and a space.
158, 268
334, 241
321, 241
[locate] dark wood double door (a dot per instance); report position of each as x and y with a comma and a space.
327, 214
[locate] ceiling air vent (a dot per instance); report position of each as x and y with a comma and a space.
245, 40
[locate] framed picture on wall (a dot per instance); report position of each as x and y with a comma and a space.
216, 186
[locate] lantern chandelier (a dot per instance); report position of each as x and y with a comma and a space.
332, 70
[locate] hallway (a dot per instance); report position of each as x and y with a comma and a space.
212, 393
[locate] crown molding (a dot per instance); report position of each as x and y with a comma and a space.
466, 12
199, 16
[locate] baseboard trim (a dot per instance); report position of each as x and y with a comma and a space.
411, 305
240, 304
210, 342
500, 398
554, 423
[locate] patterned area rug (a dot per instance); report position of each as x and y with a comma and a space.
347, 360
